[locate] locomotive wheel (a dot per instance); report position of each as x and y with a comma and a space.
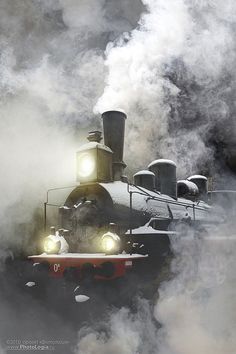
107, 269
70, 274
88, 271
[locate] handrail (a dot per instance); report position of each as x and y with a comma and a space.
49, 204
162, 199
140, 191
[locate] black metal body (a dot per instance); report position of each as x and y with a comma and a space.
90, 208
145, 213
114, 130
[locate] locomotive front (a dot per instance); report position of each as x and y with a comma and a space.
98, 213
89, 221
107, 225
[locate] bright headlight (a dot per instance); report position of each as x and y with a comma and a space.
51, 246
55, 244
86, 165
110, 242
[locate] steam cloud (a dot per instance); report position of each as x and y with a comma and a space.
51, 75
174, 76
195, 309
172, 71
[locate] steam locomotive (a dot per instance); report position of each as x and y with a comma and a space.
109, 225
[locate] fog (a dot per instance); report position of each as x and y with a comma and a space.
52, 73
174, 76
194, 311
170, 66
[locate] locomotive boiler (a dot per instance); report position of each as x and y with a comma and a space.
107, 224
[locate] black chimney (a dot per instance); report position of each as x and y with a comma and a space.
114, 131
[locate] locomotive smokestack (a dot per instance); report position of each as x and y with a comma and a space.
114, 131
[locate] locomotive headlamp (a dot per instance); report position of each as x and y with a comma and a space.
110, 242
86, 165
94, 161
55, 244
51, 246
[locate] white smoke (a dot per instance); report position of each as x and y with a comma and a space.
195, 309
51, 75
124, 332
174, 76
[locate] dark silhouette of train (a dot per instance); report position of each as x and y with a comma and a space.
107, 225
105, 197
